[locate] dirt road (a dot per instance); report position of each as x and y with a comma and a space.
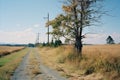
25, 69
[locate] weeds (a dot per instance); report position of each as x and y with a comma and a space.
89, 70
33, 65
103, 59
61, 59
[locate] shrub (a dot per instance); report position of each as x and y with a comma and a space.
57, 43
89, 70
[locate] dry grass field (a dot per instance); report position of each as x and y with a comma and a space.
99, 62
4, 50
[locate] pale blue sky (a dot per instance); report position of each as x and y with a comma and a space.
25, 13
28, 16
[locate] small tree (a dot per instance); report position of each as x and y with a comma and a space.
110, 40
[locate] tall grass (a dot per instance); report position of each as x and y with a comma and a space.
103, 59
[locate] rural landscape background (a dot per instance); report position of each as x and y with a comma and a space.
59, 40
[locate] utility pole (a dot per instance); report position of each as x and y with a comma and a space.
37, 39
47, 26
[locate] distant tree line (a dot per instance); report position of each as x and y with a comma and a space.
55, 43
13, 44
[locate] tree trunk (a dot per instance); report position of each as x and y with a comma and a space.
78, 46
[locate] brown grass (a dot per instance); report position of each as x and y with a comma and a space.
98, 62
4, 50
33, 65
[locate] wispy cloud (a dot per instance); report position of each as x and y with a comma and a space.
26, 36
18, 25
28, 29
36, 25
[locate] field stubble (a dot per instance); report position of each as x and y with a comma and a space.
5, 50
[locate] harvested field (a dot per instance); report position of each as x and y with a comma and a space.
5, 50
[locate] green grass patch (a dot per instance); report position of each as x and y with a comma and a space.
8, 58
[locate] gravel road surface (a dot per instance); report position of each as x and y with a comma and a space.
24, 73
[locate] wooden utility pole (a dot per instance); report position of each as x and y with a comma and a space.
48, 27
37, 39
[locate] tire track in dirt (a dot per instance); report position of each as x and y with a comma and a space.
21, 73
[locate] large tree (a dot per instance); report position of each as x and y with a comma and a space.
78, 14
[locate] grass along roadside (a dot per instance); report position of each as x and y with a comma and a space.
33, 64
9, 63
9, 58
99, 62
